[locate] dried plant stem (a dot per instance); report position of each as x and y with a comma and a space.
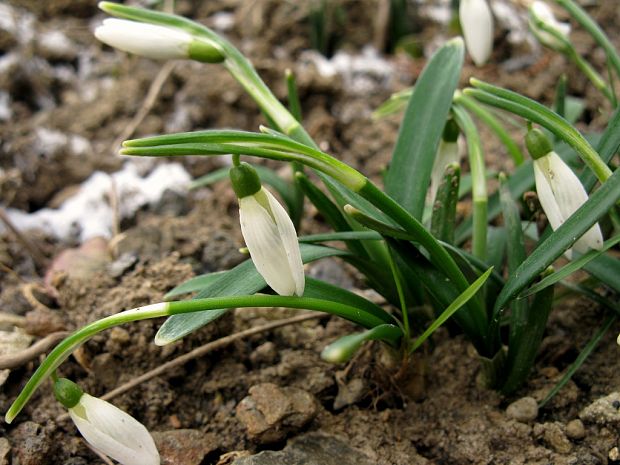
202, 350
147, 105
17, 359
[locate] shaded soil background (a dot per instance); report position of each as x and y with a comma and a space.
89, 94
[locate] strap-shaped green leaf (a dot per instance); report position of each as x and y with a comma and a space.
420, 132
243, 279
603, 268
551, 248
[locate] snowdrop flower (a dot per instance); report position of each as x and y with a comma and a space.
559, 190
540, 13
156, 42
107, 428
268, 232
477, 24
447, 153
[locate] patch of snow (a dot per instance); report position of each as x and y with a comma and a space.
361, 73
89, 214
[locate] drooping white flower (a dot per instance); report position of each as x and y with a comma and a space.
106, 427
477, 24
272, 241
156, 42
540, 12
559, 190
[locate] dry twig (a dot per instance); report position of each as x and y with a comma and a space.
17, 359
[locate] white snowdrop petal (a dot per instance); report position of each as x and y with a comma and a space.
545, 195
288, 235
265, 245
448, 152
477, 24
114, 432
561, 194
149, 40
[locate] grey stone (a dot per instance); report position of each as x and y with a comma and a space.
605, 410
523, 410
271, 413
310, 449
184, 446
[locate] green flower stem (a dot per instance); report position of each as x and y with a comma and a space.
593, 28
478, 178
492, 122
568, 49
537, 113
586, 68
64, 349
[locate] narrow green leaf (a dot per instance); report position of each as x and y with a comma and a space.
478, 176
577, 264
412, 161
444, 209
526, 334
607, 147
193, 284
606, 269
318, 289
394, 104
538, 113
342, 236
243, 279
493, 123
461, 300
560, 240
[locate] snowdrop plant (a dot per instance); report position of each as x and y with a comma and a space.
475, 270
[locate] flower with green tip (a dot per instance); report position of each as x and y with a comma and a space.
269, 233
477, 25
107, 428
559, 190
540, 13
156, 42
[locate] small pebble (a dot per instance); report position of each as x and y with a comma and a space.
614, 454
523, 410
575, 430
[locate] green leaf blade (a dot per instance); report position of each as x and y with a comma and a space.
412, 161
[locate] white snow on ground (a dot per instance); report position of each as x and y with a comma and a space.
361, 72
89, 214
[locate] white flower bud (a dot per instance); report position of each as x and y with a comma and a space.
477, 24
156, 42
113, 432
561, 194
148, 40
541, 13
272, 241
